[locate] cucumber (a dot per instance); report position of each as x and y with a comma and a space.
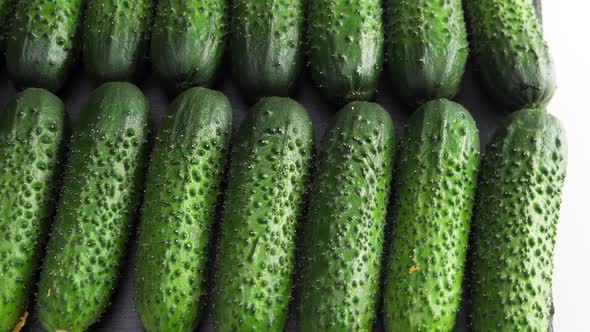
514, 62
183, 185
346, 48
43, 43
101, 187
427, 49
115, 39
31, 146
515, 221
437, 175
343, 236
267, 46
268, 179
6, 13
188, 40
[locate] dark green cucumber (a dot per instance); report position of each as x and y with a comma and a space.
188, 40
268, 179
6, 8
101, 187
344, 231
43, 43
515, 221
514, 61
346, 48
115, 39
184, 181
267, 46
427, 49
439, 159
31, 146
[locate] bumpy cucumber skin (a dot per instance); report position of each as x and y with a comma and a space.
184, 181
115, 39
426, 48
268, 178
31, 145
514, 61
6, 11
515, 221
42, 46
344, 231
267, 46
188, 40
436, 179
101, 187
346, 48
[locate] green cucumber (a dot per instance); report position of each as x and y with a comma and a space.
427, 49
513, 59
437, 175
115, 39
515, 222
343, 238
31, 146
42, 46
267, 46
188, 40
346, 48
6, 8
267, 183
183, 185
101, 186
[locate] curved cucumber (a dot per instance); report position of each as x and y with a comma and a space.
101, 187
183, 185
43, 43
267, 46
346, 48
514, 226
268, 179
31, 144
438, 165
188, 41
514, 61
115, 39
427, 49
344, 234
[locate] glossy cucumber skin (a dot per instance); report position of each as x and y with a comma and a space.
343, 236
513, 59
264, 203
267, 46
426, 49
42, 46
99, 198
188, 40
436, 179
32, 131
183, 184
346, 48
115, 39
515, 222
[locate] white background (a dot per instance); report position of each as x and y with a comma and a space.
567, 31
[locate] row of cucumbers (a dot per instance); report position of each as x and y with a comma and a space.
426, 43
264, 213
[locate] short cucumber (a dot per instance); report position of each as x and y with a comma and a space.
343, 238
115, 39
267, 46
515, 222
42, 46
188, 40
346, 48
437, 174
183, 184
267, 182
31, 146
427, 49
100, 191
